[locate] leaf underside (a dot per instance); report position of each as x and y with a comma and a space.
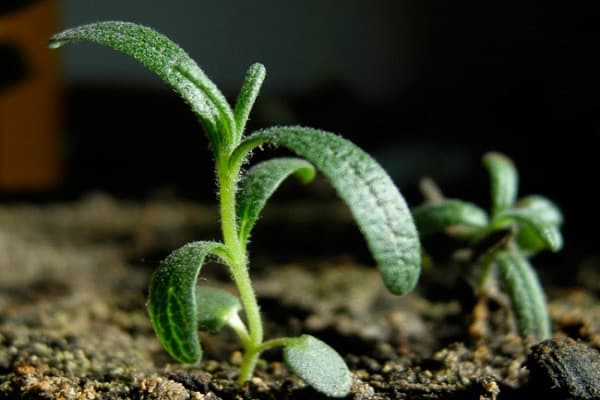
504, 181
526, 294
172, 301
260, 182
166, 59
214, 308
437, 216
374, 200
319, 365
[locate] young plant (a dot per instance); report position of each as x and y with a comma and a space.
178, 308
512, 232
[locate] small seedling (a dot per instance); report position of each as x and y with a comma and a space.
178, 308
514, 231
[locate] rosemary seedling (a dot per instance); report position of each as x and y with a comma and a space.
177, 306
513, 231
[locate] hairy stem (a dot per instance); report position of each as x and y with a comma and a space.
239, 267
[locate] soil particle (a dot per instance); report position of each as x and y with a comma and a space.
562, 368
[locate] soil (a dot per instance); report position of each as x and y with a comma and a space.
73, 324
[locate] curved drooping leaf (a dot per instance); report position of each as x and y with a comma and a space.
437, 216
318, 365
166, 59
504, 181
172, 302
542, 207
253, 81
526, 294
215, 308
375, 202
547, 212
538, 231
260, 182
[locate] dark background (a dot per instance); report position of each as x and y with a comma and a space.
426, 87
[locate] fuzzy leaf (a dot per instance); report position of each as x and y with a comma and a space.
248, 94
504, 181
166, 59
543, 208
546, 211
374, 200
172, 300
260, 182
537, 230
437, 216
215, 308
318, 365
526, 294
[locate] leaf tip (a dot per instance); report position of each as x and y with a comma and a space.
55, 42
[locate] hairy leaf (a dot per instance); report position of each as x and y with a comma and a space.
318, 365
504, 181
248, 94
437, 216
215, 308
542, 207
260, 182
526, 294
534, 226
374, 200
172, 302
166, 59
548, 213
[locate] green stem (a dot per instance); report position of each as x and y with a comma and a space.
279, 342
239, 268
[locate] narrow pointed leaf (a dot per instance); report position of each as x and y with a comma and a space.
318, 365
534, 226
437, 216
526, 294
542, 207
215, 308
166, 59
374, 200
504, 181
260, 182
253, 81
172, 302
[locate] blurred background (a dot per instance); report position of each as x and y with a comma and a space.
424, 86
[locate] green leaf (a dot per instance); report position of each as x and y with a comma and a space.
172, 303
437, 216
166, 59
504, 181
374, 200
253, 81
543, 208
260, 182
318, 365
536, 230
215, 308
545, 211
526, 294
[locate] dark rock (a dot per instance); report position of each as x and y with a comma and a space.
564, 369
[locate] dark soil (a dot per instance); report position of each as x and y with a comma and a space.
73, 323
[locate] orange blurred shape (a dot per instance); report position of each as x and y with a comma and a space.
31, 109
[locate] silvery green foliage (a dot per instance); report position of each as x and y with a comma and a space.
178, 308
530, 224
306, 352
525, 292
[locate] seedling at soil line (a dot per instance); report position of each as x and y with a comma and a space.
516, 230
178, 308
